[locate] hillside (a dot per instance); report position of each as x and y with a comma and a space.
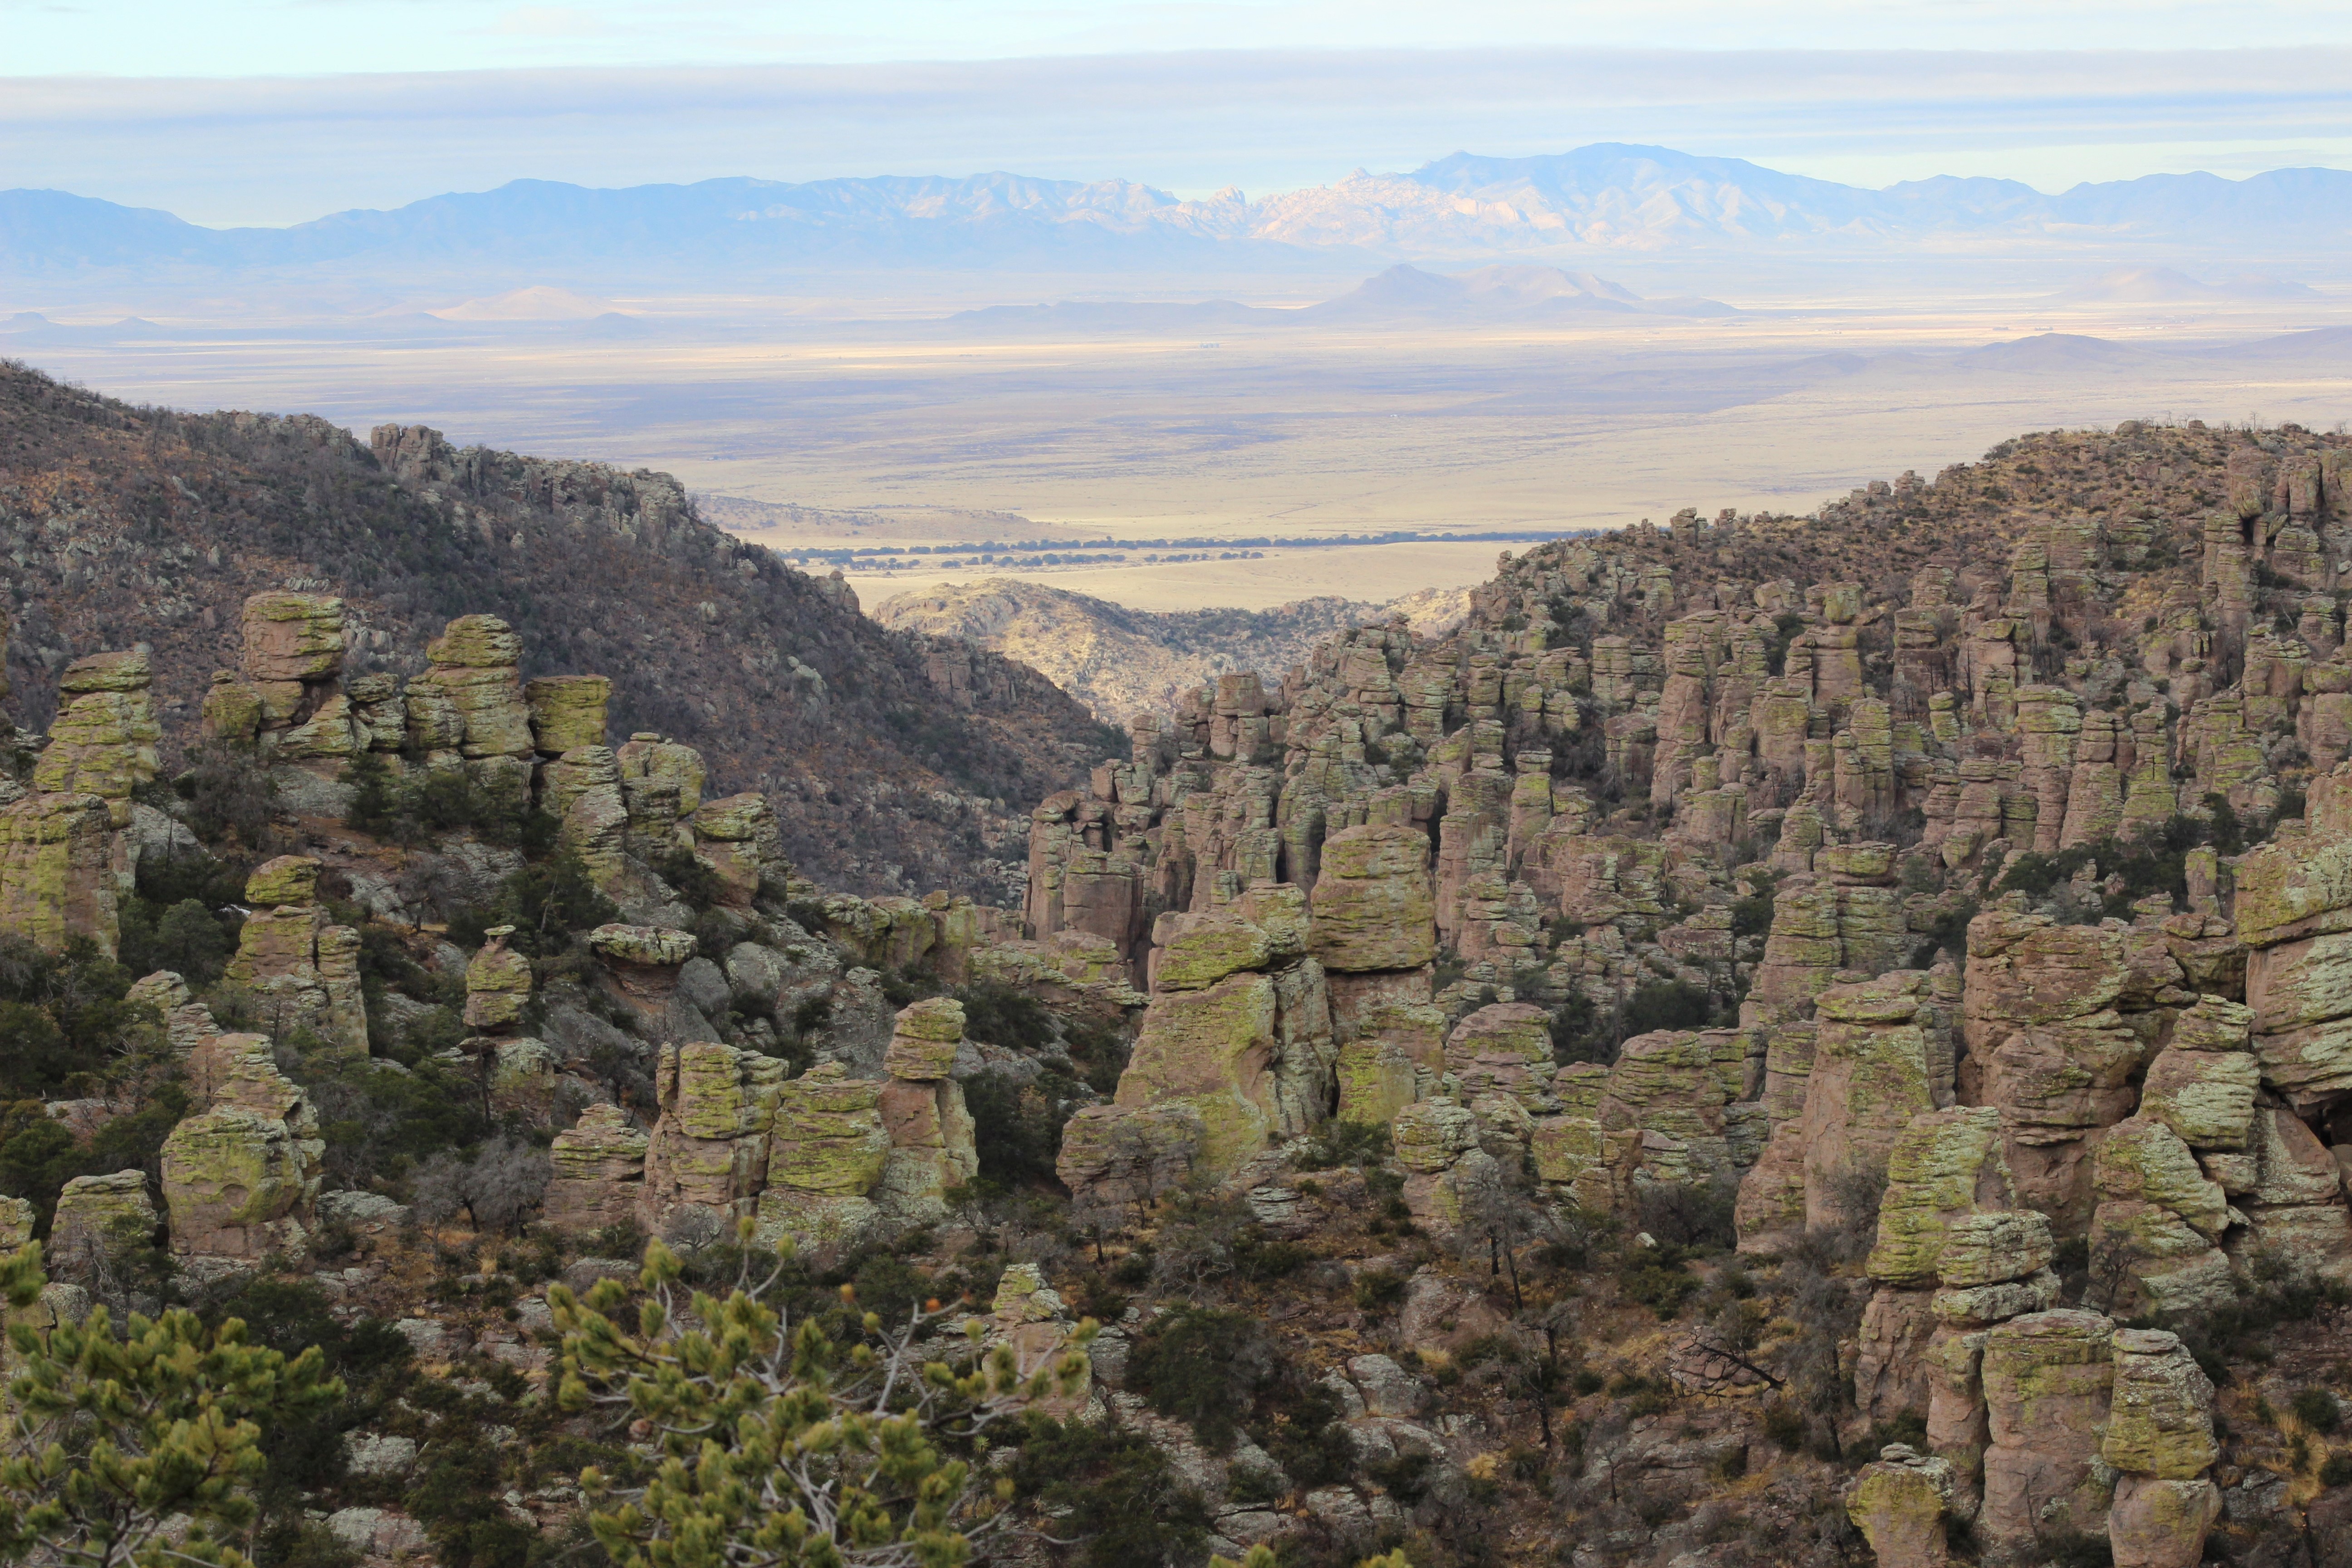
894, 762
1774, 1042
1122, 662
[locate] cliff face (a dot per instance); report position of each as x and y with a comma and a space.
894, 762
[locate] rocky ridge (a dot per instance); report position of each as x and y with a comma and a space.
895, 762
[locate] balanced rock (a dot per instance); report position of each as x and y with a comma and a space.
498, 984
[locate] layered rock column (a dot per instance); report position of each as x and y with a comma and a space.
930, 1132
1899, 1503
600, 1170
2048, 1383
709, 1149
302, 972
241, 1177
1944, 1171
2159, 1441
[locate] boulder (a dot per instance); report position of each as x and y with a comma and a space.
2161, 1417
1116, 1159
1899, 1504
57, 870
924, 1040
1945, 1165
829, 1150
1212, 1050
241, 1177
709, 1149
289, 637
97, 1220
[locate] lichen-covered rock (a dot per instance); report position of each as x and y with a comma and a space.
287, 637
98, 1219
600, 1166
1503, 1048
1396, 1055
1899, 1504
1200, 949
1946, 1164
187, 1023
1890, 1365
1212, 1050
661, 780
924, 1040
626, 947
2202, 1084
2294, 1204
826, 1156
2161, 1418
567, 712
1431, 1135
2048, 1381
102, 741
472, 670
498, 984
932, 1149
1118, 1159
1372, 904
2156, 1523
1869, 1079
2143, 1158
1665, 1085
57, 875
1994, 1248
287, 879
737, 838
709, 1148
241, 1177
306, 971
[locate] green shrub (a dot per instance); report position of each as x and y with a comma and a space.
2318, 1409
1201, 1365
1111, 1489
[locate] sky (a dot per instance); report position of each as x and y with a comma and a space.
275, 110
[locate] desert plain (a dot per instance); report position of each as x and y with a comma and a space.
819, 420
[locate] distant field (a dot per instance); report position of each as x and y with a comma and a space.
817, 435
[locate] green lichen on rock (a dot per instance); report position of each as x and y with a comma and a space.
2162, 1421
1210, 1049
1205, 949
287, 879
567, 712
1945, 1165
924, 1040
1374, 905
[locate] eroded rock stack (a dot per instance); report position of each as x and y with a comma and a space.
302, 972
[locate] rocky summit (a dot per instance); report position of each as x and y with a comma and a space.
1778, 1040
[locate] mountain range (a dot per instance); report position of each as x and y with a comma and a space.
1606, 197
